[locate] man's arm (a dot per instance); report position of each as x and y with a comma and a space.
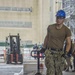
68, 44
44, 45
46, 39
45, 42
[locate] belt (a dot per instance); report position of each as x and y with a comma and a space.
54, 49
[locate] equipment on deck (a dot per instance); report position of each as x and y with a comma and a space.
38, 60
13, 52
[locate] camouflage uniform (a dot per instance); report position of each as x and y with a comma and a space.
55, 39
54, 62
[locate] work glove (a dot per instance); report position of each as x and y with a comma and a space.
64, 55
42, 50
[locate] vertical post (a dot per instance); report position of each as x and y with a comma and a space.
38, 62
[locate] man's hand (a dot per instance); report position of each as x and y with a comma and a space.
64, 55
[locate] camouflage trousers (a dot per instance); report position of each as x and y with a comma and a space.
54, 63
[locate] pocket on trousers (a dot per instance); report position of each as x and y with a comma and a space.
48, 59
47, 62
63, 63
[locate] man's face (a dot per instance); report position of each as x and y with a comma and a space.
59, 20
